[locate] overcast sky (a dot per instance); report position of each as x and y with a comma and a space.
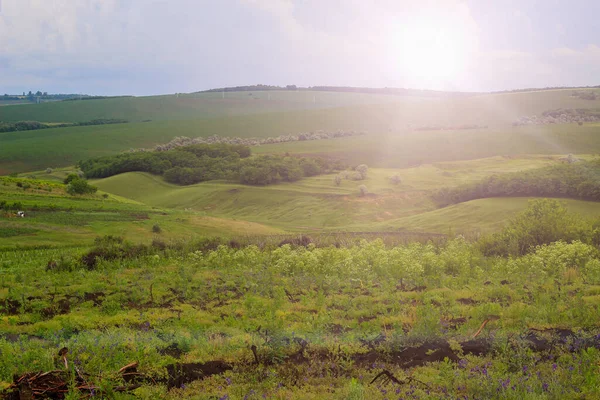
164, 46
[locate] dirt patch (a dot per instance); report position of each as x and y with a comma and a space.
10, 306
366, 318
172, 350
466, 301
96, 297
337, 329
453, 323
180, 374
63, 306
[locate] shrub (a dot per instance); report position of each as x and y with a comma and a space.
49, 170
337, 180
69, 178
156, 228
80, 186
362, 170
395, 179
111, 248
363, 190
543, 222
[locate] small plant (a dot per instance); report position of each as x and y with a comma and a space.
363, 190
337, 180
156, 228
49, 170
395, 179
362, 169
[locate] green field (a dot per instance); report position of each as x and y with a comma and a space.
308, 289
388, 119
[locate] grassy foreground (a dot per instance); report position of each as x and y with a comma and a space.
283, 323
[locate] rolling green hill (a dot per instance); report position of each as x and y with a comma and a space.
317, 204
390, 121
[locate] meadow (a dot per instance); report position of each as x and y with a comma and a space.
390, 120
327, 287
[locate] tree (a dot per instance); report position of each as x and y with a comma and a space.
362, 170
80, 186
70, 178
363, 190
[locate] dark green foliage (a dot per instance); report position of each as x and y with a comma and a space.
208, 161
4, 205
545, 221
204, 162
219, 150
579, 180
111, 248
156, 228
35, 125
70, 178
8, 231
80, 186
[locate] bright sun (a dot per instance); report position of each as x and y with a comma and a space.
432, 52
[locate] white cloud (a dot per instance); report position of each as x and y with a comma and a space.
132, 45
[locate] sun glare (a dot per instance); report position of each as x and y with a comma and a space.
431, 52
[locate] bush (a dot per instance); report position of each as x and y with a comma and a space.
69, 178
49, 170
395, 179
337, 180
543, 222
79, 187
363, 190
111, 248
362, 169
156, 228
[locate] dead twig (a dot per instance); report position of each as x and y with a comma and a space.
387, 377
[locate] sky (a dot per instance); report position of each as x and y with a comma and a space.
143, 47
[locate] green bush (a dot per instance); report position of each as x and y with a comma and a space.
80, 186
543, 222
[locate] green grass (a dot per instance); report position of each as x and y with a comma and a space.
477, 216
386, 118
354, 309
54, 218
317, 204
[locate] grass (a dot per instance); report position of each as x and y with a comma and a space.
324, 321
54, 218
477, 216
329, 318
387, 118
317, 204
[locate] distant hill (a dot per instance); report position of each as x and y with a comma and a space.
385, 90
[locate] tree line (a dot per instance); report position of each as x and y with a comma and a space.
577, 180
35, 125
204, 162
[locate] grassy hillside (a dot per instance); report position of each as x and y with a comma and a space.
477, 216
54, 218
389, 119
192, 106
317, 204
412, 148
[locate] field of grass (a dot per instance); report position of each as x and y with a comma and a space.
317, 204
388, 119
57, 219
290, 323
174, 312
